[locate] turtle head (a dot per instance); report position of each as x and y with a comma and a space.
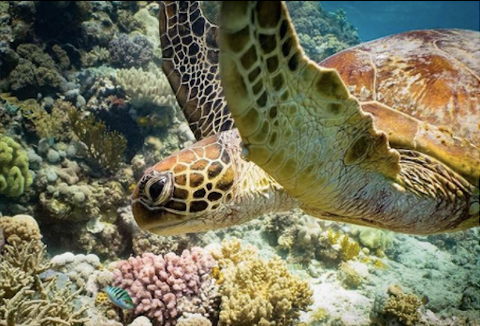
188, 192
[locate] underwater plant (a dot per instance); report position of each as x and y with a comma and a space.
105, 147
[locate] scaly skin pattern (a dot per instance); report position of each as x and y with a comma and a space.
209, 185
190, 61
300, 124
205, 187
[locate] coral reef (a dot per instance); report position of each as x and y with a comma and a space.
146, 87
131, 52
321, 34
47, 125
78, 268
256, 292
15, 177
194, 320
34, 73
164, 287
26, 298
20, 230
105, 147
374, 239
349, 277
404, 307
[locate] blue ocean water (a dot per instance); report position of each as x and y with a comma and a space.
375, 19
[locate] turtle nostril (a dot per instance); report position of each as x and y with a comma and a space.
156, 189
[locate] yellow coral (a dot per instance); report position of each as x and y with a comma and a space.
349, 249
333, 236
349, 277
255, 292
101, 299
321, 314
405, 307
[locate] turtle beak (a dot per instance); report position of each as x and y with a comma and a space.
156, 221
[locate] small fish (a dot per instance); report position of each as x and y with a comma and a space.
119, 297
48, 275
425, 300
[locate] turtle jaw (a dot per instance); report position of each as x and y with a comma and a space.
162, 222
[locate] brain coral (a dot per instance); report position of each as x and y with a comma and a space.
255, 292
161, 286
20, 230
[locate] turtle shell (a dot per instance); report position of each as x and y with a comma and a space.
422, 88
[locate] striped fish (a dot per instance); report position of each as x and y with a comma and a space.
119, 297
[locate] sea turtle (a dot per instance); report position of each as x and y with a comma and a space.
397, 150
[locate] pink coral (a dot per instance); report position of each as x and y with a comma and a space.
156, 283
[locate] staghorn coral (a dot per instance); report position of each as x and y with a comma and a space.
105, 147
255, 292
349, 249
336, 247
20, 265
160, 285
15, 177
46, 306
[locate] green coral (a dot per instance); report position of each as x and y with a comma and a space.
34, 73
14, 175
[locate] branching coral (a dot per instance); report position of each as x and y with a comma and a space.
146, 87
404, 307
47, 306
255, 292
15, 177
105, 147
160, 285
96, 56
47, 125
130, 52
25, 298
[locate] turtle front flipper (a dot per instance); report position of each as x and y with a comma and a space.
190, 61
294, 116
299, 123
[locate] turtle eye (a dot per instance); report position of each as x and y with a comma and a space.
156, 189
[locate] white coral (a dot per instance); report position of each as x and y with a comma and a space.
146, 87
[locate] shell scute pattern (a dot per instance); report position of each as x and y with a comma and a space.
360, 140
